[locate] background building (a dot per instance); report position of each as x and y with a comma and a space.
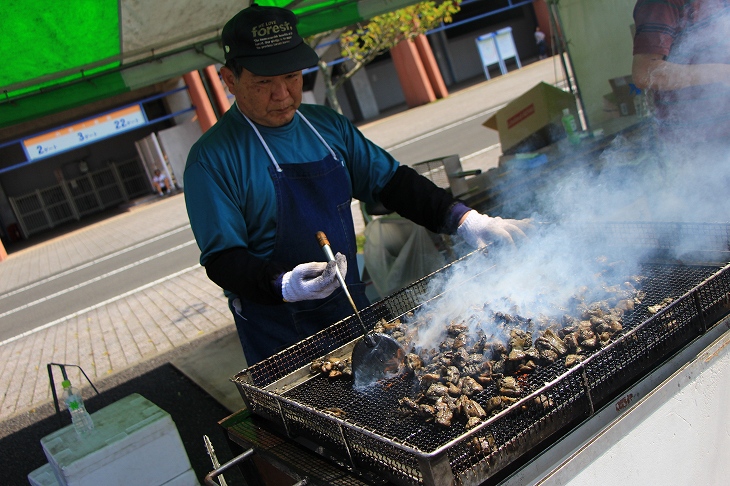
61, 167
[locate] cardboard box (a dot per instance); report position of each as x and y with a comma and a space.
621, 86
532, 121
619, 106
622, 95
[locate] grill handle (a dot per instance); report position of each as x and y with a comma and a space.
325, 244
210, 477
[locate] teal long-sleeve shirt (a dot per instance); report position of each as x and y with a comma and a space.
228, 190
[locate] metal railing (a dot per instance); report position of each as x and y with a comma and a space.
73, 199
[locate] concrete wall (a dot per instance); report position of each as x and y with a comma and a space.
385, 84
97, 155
600, 45
460, 53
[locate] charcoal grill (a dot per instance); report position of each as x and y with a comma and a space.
373, 437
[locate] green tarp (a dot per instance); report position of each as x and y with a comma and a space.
57, 55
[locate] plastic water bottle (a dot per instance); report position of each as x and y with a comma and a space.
79, 416
571, 127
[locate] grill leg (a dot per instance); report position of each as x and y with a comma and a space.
437, 471
247, 468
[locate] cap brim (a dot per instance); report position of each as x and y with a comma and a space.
297, 59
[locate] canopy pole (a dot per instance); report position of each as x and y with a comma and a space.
412, 74
199, 97
216, 85
431, 66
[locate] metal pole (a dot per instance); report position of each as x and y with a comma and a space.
556, 26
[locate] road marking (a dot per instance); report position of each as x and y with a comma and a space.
100, 304
112, 255
490, 111
97, 279
480, 152
94, 262
444, 128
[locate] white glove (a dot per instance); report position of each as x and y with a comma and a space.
314, 280
479, 229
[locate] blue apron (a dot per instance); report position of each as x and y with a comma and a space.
310, 197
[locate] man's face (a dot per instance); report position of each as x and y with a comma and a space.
270, 101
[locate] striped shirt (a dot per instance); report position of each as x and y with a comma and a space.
688, 32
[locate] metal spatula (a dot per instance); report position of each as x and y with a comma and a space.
376, 355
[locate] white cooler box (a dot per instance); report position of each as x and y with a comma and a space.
133, 442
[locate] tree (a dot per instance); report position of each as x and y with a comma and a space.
363, 44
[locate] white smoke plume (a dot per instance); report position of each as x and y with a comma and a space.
578, 229
637, 178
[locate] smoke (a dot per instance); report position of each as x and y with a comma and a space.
582, 238
632, 180
597, 219
539, 281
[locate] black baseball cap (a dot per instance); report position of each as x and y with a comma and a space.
265, 41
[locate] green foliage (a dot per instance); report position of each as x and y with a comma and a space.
380, 34
360, 240
383, 32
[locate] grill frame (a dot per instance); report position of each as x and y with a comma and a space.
575, 394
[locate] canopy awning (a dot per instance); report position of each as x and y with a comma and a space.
65, 54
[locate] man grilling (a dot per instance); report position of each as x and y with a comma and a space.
273, 172
682, 53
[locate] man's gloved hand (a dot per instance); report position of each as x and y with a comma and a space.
314, 280
479, 229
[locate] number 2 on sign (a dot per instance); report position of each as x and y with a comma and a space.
121, 123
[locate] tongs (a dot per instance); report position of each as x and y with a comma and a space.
376, 355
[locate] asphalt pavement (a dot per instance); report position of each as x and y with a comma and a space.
127, 343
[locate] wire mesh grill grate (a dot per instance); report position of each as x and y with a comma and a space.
381, 439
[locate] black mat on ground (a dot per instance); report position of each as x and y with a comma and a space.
194, 412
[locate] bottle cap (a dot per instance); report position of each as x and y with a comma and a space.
66, 384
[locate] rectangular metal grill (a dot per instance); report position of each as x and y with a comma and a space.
374, 437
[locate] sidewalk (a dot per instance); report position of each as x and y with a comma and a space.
182, 308
118, 334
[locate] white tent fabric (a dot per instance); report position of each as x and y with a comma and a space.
71, 53
151, 27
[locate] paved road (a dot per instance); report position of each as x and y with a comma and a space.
99, 280
449, 126
111, 325
71, 291
466, 137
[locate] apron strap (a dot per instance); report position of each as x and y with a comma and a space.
320, 138
261, 139
268, 151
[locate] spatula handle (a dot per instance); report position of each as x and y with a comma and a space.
322, 239
325, 244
